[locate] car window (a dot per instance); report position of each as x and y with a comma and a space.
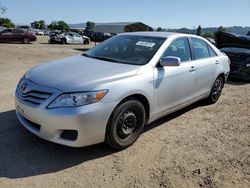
179, 48
211, 51
76, 35
18, 31
200, 48
7, 31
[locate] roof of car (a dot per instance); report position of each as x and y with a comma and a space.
156, 34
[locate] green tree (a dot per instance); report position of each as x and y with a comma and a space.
42, 24
35, 25
199, 32
159, 29
61, 25
248, 33
90, 26
222, 29
6, 23
208, 35
38, 24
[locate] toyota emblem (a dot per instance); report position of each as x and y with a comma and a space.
23, 87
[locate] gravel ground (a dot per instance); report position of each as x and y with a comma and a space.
199, 146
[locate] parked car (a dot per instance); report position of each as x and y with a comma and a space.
17, 35
69, 38
112, 90
39, 32
237, 47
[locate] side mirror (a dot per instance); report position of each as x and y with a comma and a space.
170, 61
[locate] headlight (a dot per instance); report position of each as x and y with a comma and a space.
77, 99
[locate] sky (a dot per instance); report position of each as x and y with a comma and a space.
156, 13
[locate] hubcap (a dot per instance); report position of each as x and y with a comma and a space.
217, 89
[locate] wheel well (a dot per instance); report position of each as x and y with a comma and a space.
142, 99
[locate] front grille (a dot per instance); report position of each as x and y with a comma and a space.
34, 97
31, 93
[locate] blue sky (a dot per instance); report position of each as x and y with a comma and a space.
156, 13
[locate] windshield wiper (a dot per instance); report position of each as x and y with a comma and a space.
101, 58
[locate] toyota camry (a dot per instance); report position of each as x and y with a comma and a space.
109, 93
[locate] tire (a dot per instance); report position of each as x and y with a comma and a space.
26, 40
85, 41
125, 124
216, 90
64, 41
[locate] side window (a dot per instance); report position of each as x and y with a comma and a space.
211, 51
179, 48
200, 49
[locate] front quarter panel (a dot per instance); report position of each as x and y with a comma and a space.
140, 83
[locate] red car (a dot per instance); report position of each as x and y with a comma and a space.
16, 35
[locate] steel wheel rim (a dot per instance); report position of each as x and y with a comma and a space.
128, 124
217, 88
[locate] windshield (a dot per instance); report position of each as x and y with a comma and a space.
127, 49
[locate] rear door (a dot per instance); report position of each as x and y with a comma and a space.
206, 65
6, 36
174, 85
18, 35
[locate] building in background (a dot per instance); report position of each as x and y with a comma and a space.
121, 27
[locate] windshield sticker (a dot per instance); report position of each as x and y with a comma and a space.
146, 44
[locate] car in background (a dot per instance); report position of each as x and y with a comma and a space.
68, 38
39, 32
17, 35
112, 90
237, 48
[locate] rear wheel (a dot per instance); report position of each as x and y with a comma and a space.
125, 124
216, 90
64, 41
26, 40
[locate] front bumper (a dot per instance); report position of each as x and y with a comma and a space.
89, 121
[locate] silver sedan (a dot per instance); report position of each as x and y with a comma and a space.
111, 91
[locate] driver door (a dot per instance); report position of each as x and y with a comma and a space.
174, 85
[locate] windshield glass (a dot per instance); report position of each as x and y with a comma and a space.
127, 49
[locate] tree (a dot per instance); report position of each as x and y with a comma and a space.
222, 29
90, 26
42, 24
61, 25
199, 32
6, 23
159, 29
38, 24
208, 35
248, 33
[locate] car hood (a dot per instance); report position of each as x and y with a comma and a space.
79, 73
224, 39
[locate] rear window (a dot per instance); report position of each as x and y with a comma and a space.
200, 49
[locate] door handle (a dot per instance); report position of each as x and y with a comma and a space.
192, 69
217, 62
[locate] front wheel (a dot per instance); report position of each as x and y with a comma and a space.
125, 124
216, 90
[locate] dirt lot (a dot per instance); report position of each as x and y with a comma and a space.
200, 146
